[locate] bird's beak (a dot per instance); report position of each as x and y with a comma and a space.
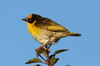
24, 19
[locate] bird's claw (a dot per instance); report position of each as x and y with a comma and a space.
40, 50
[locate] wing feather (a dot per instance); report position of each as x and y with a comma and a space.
48, 24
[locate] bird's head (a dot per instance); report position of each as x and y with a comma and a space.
31, 18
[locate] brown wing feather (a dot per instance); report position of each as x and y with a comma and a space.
48, 24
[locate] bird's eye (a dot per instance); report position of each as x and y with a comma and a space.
29, 20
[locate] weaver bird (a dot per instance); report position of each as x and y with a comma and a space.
45, 30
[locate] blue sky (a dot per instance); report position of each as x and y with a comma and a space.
80, 16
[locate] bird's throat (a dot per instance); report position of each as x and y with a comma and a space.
33, 29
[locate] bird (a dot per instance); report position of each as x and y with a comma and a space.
46, 31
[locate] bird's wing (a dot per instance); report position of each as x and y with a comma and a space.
57, 28
51, 25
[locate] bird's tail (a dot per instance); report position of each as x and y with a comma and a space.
73, 34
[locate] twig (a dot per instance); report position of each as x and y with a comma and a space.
41, 57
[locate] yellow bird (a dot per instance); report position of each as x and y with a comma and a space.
45, 30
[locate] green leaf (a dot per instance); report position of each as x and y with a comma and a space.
46, 55
53, 61
34, 60
59, 51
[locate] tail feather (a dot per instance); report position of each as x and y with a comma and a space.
73, 34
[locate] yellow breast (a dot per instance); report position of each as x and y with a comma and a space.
35, 31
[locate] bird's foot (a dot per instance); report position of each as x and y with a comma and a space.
41, 50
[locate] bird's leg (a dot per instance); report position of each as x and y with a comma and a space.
39, 49
47, 50
46, 42
49, 46
46, 47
